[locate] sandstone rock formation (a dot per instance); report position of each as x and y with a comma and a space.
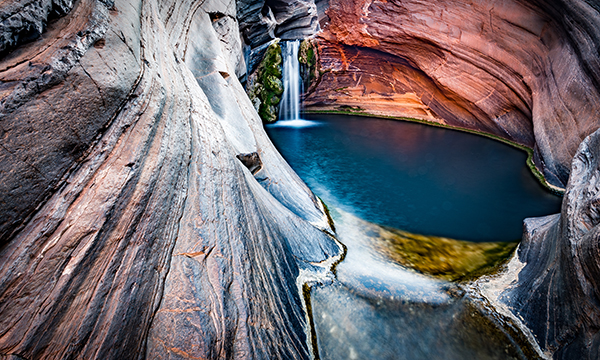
524, 70
145, 213
554, 284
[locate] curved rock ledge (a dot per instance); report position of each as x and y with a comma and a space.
552, 284
130, 228
145, 213
524, 70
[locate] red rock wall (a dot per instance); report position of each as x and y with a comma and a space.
522, 70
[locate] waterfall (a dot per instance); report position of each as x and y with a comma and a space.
290, 102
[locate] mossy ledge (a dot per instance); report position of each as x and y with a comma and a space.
308, 57
448, 259
265, 86
530, 164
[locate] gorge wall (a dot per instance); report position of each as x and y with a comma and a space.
526, 71
145, 214
552, 284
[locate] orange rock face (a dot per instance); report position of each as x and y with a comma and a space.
520, 70
378, 83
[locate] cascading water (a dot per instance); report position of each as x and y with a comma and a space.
290, 103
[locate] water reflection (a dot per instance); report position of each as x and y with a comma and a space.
424, 180
297, 124
417, 178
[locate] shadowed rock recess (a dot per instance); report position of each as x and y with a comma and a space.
130, 227
145, 213
524, 70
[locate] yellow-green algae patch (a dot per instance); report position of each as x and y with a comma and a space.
444, 258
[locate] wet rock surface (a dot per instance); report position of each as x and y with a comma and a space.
523, 70
130, 229
378, 309
554, 289
145, 213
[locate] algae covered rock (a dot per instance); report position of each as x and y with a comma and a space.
308, 56
264, 85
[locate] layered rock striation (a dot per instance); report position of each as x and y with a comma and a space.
526, 71
145, 213
553, 283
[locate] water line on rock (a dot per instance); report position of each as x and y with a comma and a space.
290, 102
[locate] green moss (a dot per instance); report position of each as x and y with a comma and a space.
347, 110
273, 85
445, 258
269, 75
328, 214
308, 58
306, 53
265, 86
313, 331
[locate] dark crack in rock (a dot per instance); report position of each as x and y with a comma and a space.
251, 161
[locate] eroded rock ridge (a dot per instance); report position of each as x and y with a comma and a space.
145, 213
552, 284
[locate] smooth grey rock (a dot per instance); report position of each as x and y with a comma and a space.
227, 30
262, 21
152, 239
555, 289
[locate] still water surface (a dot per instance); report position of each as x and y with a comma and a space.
414, 177
424, 180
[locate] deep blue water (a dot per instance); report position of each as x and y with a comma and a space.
414, 177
